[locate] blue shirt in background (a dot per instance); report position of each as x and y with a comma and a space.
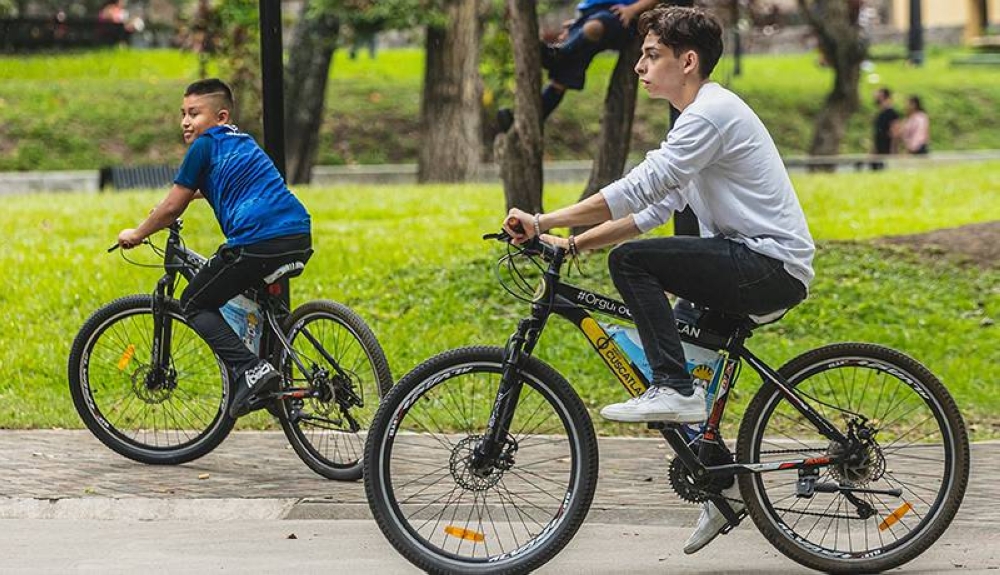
243, 186
588, 4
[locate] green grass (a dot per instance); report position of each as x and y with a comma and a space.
410, 261
89, 109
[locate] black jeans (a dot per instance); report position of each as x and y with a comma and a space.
230, 272
714, 272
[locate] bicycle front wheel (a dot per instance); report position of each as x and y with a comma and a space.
445, 518
887, 500
327, 429
167, 414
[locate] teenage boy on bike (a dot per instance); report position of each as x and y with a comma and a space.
264, 223
755, 253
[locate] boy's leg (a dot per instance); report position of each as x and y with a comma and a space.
226, 275
230, 272
715, 272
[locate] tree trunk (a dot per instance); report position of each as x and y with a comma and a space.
519, 150
616, 123
305, 88
450, 106
844, 47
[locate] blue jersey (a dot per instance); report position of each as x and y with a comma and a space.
243, 186
588, 4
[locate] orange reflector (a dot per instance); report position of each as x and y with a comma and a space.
126, 357
895, 516
464, 534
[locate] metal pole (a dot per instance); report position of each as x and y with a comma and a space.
915, 43
737, 46
273, 92
272, 81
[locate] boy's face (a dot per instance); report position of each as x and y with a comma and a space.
199, 113
660, 71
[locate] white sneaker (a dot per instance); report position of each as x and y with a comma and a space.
660, 403
712, 521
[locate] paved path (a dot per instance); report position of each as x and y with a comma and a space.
237, 509
69, 474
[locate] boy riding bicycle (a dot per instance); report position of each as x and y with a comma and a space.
265, 226
755, 254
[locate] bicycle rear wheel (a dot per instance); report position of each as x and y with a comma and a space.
446, 519
151, 415
918, 445
328, 432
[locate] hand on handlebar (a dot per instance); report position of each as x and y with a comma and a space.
129, 238
520, 225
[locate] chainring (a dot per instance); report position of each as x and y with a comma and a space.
685, 485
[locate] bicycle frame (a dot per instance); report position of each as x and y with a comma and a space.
575, 304
178, 259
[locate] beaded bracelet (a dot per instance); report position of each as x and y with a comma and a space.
538, 227
572, 246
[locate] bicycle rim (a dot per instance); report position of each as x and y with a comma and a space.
915, 450
150, 422
320, 426
450, 520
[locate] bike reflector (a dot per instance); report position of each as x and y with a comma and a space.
466, 534
895, 516
126, 357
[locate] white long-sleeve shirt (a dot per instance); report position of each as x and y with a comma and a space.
720, 160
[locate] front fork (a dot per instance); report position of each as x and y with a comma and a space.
485, 455
160, 373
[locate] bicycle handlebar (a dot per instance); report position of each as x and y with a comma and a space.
534, 246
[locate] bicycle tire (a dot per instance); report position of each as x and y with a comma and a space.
421, 393
103, 362
333, 453
832, 364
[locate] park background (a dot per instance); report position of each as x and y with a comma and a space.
408, 257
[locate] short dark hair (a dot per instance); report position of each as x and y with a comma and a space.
215, 87
682, 28
885, 92
915, 100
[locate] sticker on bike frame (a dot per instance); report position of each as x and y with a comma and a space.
466, 534
126, 357
613, 356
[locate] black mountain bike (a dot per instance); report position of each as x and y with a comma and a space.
850, 458
152, 390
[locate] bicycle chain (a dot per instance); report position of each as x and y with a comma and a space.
707, 494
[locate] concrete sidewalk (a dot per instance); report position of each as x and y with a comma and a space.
257, 476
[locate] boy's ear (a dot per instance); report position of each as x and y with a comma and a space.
223, 116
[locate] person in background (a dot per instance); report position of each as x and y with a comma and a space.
600, 25
885, 126
915, 131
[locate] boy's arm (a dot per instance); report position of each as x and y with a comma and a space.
629, 12
521, 225
609, 233
162, 216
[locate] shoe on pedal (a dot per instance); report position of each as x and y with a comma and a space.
256, 381
712, 521
660, 403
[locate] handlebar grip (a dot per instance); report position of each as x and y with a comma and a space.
515, 224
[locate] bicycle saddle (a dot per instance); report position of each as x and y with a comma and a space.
723, 322
289, 270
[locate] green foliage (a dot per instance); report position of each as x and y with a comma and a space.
373, 106
410, 261
239, 53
